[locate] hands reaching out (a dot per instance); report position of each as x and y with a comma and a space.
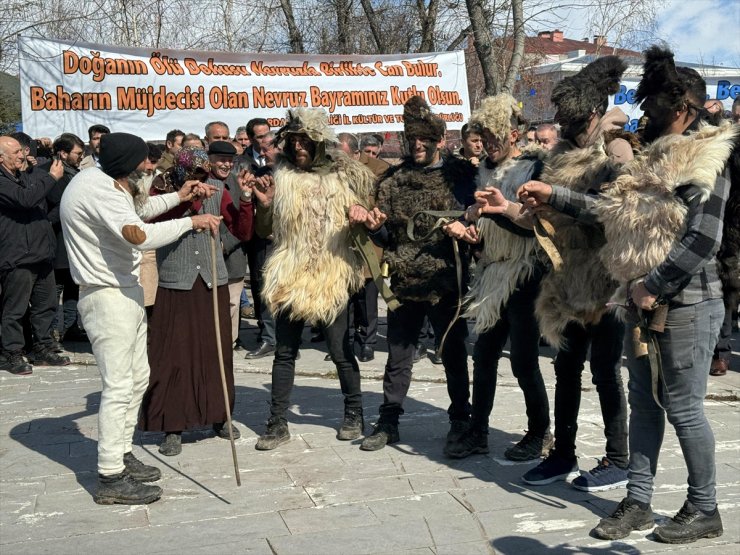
372, 219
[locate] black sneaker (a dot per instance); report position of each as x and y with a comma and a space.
140, 471
530, 447
223, 432
13, 362
383, 434
276, 434
604, 476
472, 442
172, 444
419, 352
44, 356
690, 524
629, 516
352, 426
552, 469
124, 489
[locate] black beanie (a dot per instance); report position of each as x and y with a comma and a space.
121, 153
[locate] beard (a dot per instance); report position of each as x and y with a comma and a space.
140, 183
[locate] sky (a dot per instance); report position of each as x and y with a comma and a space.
698, 31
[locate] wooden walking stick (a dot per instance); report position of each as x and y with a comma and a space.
214, 289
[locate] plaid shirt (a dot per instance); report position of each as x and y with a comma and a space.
688, 275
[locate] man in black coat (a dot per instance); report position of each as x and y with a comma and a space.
28, 247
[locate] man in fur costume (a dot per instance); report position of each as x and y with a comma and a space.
423, 272
588, 147
502, 296
313, 269
662, 219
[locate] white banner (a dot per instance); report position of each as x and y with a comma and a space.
67, 87
725, 89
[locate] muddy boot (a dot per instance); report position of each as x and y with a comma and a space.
140, 471
172, 444
124, 489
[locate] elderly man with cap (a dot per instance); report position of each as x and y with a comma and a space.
313, 270
104, 237
185, 390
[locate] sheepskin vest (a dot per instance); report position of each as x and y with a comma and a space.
506, 258
642, 216
423, 270
579, 290
313, 269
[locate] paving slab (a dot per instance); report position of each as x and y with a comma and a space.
318, 495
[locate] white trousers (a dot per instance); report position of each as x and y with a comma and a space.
235, 298
115, 322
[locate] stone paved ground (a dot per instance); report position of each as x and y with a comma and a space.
316, 494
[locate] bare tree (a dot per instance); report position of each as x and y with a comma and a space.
296, 38
517, 55
428, 21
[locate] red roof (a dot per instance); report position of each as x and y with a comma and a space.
552, 43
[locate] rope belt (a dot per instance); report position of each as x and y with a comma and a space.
444, 217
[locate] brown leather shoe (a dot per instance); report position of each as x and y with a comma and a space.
719, 367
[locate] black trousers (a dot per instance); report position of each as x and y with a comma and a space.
258, 249
404, 325
288, 335
32, 285
605, 339
517, 323
364, 314
70, 292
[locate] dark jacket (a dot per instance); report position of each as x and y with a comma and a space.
26, 235
53, 200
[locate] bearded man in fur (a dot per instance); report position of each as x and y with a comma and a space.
312, 270
571, 307
423, 272
662, 220
502, 296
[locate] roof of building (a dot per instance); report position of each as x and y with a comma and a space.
553, 43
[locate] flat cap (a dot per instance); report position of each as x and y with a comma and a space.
221, 148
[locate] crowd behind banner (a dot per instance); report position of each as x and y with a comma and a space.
578, 233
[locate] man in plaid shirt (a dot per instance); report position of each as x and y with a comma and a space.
687, 281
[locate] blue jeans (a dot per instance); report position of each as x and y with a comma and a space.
686, 349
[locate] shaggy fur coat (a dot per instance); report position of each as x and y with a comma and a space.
423, 270
641, 214
579, 290
506, 258
313, 268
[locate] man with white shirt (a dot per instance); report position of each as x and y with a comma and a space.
102, 214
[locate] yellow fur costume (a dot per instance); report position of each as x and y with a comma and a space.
313, 269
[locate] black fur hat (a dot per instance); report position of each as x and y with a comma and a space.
663, 80
419, 121
577, 96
